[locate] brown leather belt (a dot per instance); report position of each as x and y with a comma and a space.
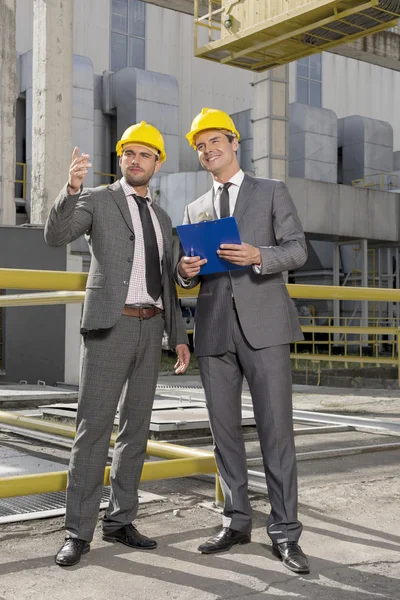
141, 312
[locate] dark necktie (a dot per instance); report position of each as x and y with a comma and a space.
224, 209
153, 275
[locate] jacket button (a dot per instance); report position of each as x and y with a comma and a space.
129, 259
228, 287
126, 282
131, 237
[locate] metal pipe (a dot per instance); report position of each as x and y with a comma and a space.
157, 449
42, 299
42, 483
27, 279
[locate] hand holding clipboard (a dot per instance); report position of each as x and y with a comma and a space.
204, 239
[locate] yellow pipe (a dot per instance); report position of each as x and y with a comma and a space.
219, 494
333, 292
349, 329
68, 281
28, 279
344, 358
158, 449
26, 485
42, 299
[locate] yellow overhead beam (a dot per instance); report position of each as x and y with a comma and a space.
258, 36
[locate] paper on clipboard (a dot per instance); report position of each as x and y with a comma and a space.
203, 239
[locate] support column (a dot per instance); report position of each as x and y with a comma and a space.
397, 276
364, 283
336, 281
51, 102
271, 123
390, 282
8, 101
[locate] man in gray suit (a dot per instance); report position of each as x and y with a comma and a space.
130, 299
244, 324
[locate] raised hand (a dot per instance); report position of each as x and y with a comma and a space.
77, 170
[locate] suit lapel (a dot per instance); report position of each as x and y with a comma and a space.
246, 192
119, 197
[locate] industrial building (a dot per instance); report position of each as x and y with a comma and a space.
339, 134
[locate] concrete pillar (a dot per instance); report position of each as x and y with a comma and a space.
73, 314
271, 123
8, 101
51, 102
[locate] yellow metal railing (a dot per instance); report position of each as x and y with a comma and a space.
180, 461
68, 287
29, 279
378, 181
23, 180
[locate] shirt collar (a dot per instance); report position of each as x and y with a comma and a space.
237, 180
129, 190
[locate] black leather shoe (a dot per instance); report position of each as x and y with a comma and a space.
71, 552
292, 556
224, 540
130, 536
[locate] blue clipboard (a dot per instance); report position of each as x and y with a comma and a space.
203, 239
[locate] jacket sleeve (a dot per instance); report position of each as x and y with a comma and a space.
185, 283
70, 217
290, 251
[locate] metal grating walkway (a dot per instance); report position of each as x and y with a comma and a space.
41, 506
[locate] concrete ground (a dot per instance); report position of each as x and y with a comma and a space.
349, 505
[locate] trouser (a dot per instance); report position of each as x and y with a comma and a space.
268, 373
128, 353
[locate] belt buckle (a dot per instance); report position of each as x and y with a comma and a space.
141, 317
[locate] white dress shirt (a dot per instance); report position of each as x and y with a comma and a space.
233, 192
137, 290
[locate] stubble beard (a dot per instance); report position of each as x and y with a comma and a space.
139, 180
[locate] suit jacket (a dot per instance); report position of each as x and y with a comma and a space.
103, 214
266, 218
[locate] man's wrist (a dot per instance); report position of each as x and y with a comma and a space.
257, 259
73, 191
184, 277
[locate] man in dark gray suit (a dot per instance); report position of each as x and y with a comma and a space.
130, 299
244, 324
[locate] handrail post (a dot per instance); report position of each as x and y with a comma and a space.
398, 358
219, 494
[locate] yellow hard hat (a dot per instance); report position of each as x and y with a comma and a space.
143, 134
211, 118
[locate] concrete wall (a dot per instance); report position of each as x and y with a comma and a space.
330, 210
33, 337
352, 87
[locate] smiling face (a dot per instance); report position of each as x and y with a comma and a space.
217, 154
138, 164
